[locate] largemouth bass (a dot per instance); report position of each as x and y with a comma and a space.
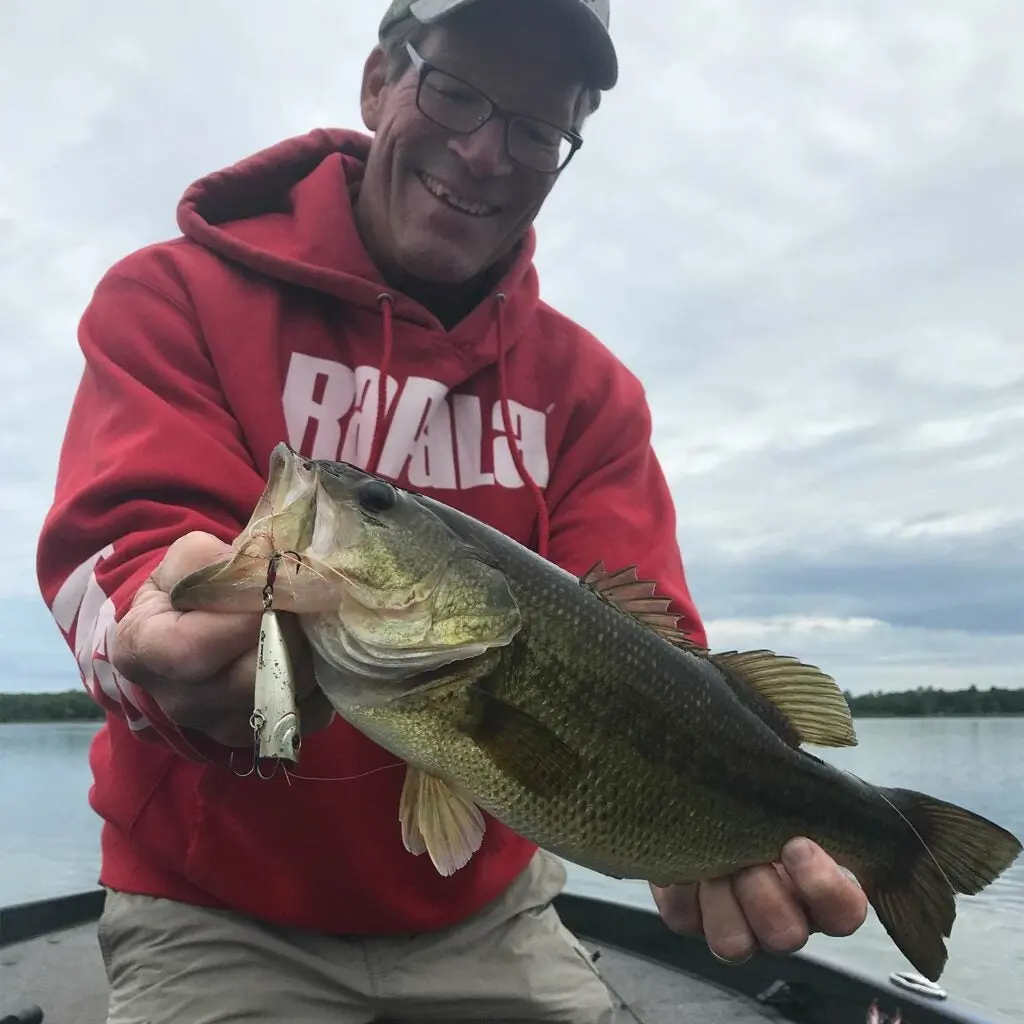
575, 711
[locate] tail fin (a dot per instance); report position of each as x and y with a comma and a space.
954, 851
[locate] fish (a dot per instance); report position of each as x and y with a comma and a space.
575, 710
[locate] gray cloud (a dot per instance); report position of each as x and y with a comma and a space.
800, 227
972, 586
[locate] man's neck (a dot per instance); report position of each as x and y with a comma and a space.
449, 303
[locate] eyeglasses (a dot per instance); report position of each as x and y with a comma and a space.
460, 107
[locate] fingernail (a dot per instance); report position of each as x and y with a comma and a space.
798, 853
733, 961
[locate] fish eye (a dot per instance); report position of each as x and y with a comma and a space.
377, 496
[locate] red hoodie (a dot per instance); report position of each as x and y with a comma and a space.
267, 321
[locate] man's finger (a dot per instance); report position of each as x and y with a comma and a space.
234, 730
315, 712
222, 706
771, 910
236, 686
678, 907
234, 689
230, 730
153, 642
835, 903
300, 654
726, 929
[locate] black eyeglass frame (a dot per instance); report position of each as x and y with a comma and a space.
424, 67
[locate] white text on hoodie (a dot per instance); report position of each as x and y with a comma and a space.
438, 438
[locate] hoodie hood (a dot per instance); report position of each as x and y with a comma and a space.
286, 213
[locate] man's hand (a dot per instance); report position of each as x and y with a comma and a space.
774, 907
200, 667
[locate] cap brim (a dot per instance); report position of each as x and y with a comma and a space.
599, 51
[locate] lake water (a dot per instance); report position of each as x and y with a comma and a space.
49, 835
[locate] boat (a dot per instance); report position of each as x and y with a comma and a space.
51, 973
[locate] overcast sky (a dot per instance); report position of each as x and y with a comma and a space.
800, 224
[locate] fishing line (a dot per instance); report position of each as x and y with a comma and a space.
909, 823
289, 774
920, 839
288, 557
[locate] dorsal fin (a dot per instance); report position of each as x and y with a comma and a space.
633, 596
804, 705
809, 700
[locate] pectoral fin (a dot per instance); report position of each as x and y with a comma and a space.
438, 821
521, 745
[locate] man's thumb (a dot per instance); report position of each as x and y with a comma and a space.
193, 551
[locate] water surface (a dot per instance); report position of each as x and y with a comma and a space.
49, 837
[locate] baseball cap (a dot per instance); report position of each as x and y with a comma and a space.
588, 17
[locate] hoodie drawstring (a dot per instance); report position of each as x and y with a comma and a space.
376, 448
387, 309
543, 518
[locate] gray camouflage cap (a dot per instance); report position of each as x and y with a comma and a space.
589, 17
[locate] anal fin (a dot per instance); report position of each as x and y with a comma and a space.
809, 700
438, 821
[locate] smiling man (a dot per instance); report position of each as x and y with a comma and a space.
370, 298
456, 175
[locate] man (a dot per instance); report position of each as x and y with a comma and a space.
371, 299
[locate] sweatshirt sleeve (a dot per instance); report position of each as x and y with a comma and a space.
150, 453
610, 502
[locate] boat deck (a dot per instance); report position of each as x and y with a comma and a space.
654, 994
63, 974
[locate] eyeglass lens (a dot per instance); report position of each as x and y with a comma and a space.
460, 108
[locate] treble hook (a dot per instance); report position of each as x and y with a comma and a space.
256, 723
252, 767
275, 561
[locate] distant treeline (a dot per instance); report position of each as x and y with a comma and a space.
929, 702
77, 706
69, 706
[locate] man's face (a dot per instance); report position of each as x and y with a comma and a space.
419, 173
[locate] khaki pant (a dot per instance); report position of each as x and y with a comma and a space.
513, 961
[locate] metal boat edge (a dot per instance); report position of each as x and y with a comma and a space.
799, 987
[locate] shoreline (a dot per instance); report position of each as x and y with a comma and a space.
76, 705
52, 721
